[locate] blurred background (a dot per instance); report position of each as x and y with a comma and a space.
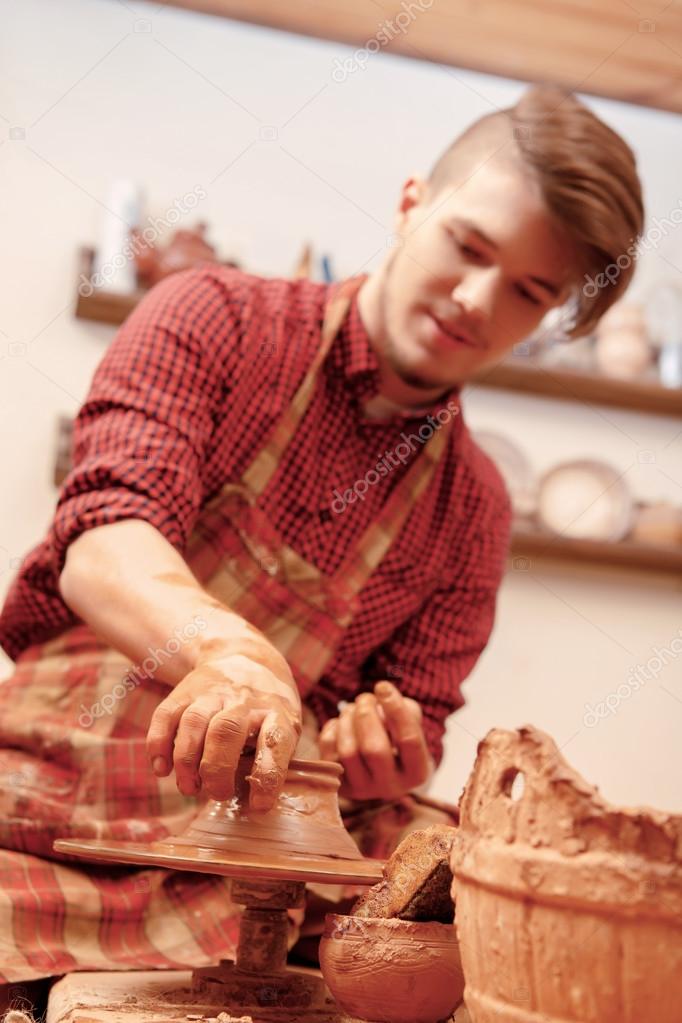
290, 148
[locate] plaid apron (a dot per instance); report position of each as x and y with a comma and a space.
72, 738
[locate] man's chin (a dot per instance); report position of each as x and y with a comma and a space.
425, 377
423, 368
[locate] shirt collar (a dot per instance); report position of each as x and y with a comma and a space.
356, 359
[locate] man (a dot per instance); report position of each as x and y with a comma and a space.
276, 508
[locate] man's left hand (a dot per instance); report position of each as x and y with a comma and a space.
380, 742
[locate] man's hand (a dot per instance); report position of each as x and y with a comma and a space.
380, 743
228, 684
204, 723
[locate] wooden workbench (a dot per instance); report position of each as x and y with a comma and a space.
157, 996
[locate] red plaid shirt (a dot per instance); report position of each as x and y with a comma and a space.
184, 397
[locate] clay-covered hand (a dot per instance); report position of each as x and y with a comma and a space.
380, 742
237, 693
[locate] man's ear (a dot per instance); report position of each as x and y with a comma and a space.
412, 193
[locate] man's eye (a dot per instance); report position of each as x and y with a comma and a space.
469, 252
527, 295
466, 250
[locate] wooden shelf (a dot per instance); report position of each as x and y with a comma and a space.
532, 377
528, 542
514, 374
526, 375
531, 544
101, 306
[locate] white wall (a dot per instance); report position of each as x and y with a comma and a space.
175, 100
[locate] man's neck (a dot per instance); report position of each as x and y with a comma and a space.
393, 392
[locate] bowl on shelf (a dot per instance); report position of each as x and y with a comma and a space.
515, 469
622, 348
585, 500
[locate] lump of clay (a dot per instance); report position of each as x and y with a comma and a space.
417, 880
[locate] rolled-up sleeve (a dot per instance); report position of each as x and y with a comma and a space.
429, 657
141, 436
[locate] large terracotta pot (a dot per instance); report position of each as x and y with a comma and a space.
391, 971
567, 909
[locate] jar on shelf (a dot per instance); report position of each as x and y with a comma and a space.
664, 321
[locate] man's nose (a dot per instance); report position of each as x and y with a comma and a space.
476, 293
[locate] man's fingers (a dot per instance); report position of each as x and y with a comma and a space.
373, 742
189, 742
225, 737
415, 707
327, 740
356, 773
277, 741
161, 734
400, 713
404, 725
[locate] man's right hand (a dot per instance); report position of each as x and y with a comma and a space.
227, 700
228, 685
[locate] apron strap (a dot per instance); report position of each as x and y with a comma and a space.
368, 553
257, 476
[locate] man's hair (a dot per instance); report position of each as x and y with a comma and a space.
588, 178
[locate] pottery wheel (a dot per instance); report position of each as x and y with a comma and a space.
269, 857
302, 839
229, 864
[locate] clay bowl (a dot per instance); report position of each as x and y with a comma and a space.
392, 971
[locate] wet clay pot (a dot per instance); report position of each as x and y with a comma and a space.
305, 821
391, 971
567, 909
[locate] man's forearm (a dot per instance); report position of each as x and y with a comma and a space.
134, 589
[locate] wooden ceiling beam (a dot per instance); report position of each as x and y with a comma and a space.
629, 50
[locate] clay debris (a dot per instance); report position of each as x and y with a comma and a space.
222, 1017
559, 809
417, 880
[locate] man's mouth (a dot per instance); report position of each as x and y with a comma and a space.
457, 334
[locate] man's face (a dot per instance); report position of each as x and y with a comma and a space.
484, 261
